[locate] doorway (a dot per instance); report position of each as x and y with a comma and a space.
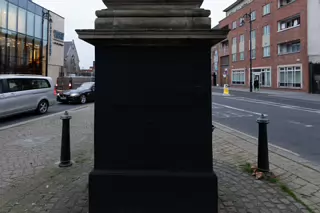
315, 78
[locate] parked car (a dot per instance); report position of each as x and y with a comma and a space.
71, 82
82, 94
22, 93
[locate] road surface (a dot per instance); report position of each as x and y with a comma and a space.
294, 124
31, 115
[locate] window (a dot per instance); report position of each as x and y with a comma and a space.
289, 23
234, 57
253, 34
238, 77
21, 47
253, 15
266, 51
241, 56
234, 41
38, 26
290, 77
12, 17
253, 54
242, 38
11, 50
30, 24
283, 3
265, 77
234, 25
22, 20
241, 22
266, 30
14, 85
266, 9
3, 14
290, 47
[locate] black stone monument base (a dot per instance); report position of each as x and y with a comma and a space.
152, 192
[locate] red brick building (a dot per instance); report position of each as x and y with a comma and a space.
280, 42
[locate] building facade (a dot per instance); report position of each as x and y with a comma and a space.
282, 33
71, 59
27, 38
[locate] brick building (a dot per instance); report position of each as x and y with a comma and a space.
285, 44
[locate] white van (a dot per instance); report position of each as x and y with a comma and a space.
22, 93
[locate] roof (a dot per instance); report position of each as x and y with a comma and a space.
216, 27
233, 5
5, 76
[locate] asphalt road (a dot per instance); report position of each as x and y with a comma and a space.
31, 115
294, 124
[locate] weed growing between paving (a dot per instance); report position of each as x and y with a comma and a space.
249, 168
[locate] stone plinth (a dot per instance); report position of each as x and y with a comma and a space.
153, 150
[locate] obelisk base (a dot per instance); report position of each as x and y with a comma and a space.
152, 192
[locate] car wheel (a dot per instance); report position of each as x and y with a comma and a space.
42, 107
83, 99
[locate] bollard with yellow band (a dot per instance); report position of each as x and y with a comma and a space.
226, 89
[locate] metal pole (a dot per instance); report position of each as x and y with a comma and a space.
263, 150
65, 157
250, 51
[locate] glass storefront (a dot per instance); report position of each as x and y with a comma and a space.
23, 37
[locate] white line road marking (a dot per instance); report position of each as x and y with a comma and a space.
275, 104
234, 108
254, 138
301, 124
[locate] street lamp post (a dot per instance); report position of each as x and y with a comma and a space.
248, 16
46, 15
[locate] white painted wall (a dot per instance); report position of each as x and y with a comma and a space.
314, 31
56, 47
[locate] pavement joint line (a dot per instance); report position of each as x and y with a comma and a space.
307, 166
43, 117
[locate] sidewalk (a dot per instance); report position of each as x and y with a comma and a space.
32, 182
279, 93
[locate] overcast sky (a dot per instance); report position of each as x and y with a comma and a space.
80, 14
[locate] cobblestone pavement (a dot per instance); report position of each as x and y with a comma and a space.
32, 182
302, 177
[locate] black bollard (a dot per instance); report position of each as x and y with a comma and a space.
263, 150
65, 156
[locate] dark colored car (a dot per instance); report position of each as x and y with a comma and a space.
82, 94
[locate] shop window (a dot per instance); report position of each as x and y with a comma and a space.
289, 23
11, 50
2, 51
12, 17
38, 26
290, 77
29, 47
22, 51
289, 47
22, 20
31, 6
37, 56
238, 77
3, 13
30, 24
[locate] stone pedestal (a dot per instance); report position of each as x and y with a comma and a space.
153, 142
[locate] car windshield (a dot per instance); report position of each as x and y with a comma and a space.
86, 85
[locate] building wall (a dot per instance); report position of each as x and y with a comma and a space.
71, 59
56, 46
314, 31
274, 60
